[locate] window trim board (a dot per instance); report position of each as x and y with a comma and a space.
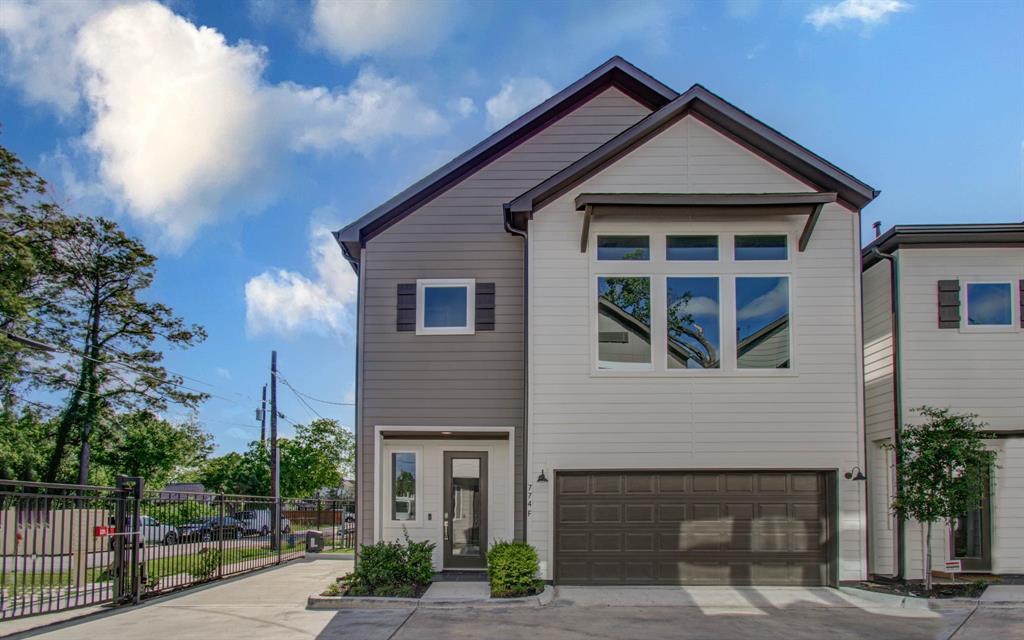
468, 283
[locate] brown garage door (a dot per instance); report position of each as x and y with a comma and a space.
683, 527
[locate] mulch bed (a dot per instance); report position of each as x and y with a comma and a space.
939, 590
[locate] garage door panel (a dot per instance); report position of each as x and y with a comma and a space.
691, 528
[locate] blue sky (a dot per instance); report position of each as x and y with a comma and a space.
232, 135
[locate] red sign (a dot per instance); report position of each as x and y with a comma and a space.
102, 532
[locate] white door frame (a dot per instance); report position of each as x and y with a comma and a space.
378, 444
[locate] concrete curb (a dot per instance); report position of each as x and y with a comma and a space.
908, 602
320, 603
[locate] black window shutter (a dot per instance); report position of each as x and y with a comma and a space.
406, 307
485, 306
949, 304
1021, 299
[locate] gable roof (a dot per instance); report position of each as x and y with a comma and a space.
723, 117
1010, 234
616, 72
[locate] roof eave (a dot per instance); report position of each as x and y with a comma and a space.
944, 235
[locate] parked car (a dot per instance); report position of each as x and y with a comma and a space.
258, 521
152, 530
212, 528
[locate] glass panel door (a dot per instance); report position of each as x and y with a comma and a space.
970, 541
465, 517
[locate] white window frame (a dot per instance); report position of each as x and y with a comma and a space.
453, 283
650, 247
735, 313
390, 485
726, 269
641, 368
967, 327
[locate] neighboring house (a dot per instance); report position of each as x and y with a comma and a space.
959, 328
624, 328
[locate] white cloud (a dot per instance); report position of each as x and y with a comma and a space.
463, 106
354, 28
286, 302
699, 306
867, 12
183, 128
39, 56
223, 373
772, 303
517, 96
350, 395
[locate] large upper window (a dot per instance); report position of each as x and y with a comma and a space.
403, 485
762, 247
623, 248
693, 323
691, 248
762, 322
624, 323
989, 304
445, 306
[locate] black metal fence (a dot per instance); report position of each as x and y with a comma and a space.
67, 546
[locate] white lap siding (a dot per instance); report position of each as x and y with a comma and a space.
806, 418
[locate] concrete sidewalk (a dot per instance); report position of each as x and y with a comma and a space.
269, 604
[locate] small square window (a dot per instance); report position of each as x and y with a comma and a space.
445, 306
761, 248
691, 248
989, 304
623, 248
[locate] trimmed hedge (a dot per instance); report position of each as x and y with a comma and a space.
512, 568
392, 569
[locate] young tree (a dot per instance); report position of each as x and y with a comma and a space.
942, 471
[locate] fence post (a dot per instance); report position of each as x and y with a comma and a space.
137, 494
220, 540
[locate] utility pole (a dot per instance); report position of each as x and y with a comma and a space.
275, 462
263, 417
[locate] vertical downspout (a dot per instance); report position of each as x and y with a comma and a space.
507, 215
897, 409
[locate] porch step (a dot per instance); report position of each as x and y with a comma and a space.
460, 576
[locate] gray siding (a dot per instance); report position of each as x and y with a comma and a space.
475, 380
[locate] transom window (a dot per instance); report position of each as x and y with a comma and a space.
623, 247
691, 248
761, 247
690, 309
445, 306
989, 304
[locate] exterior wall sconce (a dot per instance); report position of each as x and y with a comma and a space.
542, 477
855, 474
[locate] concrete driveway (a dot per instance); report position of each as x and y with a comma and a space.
272, 605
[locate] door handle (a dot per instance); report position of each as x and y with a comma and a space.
446, 526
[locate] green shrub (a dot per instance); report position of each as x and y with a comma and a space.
392, 569
206, 565
512, 568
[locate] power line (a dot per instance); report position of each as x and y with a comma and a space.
306, 395
297, 395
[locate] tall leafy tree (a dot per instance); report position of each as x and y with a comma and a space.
95, 310
943, 469
141, 444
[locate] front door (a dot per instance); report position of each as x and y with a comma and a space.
465, 509
971, 539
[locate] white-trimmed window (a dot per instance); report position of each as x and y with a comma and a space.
445, 307
623, 247
989, 304
762, 322
403, 485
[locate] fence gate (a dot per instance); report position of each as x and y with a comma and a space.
66, 546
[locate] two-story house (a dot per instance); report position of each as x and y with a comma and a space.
625, 328
944, 327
